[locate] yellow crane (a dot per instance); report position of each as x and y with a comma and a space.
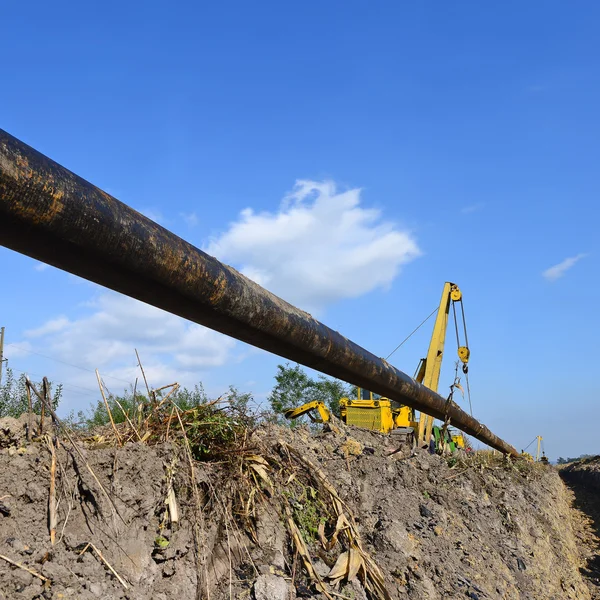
428, 371
539, 443
370, 411
540, 455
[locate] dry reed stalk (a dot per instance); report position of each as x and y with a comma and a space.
303, 552
169, 422
52, 516
90, 545
17, 564
139, 407
30, 413
455, 474
76, 448
171, 502
229, 518
69, 510
373, 580
294, 564
128, 420
175, 388
42, 411
108, 408
200, 558
164, 387
144, 376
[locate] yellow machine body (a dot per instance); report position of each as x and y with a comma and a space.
459, 440
375, 413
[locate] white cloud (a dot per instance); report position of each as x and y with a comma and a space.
320, 246
171, 349
191, 219
467, 210
557, 271
19, 350
41, 266
51, 326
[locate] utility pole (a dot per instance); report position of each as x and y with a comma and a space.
1, 351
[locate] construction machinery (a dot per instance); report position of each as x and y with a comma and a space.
540, 455
372, 411
368, 410
428, 371
378, 413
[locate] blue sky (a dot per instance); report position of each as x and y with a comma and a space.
437, 141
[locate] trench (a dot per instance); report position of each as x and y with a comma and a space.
582, 483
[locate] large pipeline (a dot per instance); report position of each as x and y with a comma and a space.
54, 216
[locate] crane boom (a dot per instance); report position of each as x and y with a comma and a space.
431, 366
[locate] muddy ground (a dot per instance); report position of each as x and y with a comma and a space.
434, 527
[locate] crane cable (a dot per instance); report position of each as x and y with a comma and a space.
465, 368
469, 393
412, 333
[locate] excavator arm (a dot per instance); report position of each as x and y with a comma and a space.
324, 414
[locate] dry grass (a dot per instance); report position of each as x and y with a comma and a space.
493, 460
239, 472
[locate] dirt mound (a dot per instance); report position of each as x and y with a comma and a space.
337, 514
586, 471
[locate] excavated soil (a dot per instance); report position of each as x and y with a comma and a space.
436, 528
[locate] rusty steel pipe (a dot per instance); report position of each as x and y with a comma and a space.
54, 216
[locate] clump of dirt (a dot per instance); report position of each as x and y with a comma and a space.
288, 514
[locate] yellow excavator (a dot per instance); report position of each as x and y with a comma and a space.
374, 412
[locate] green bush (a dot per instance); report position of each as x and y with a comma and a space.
13, 395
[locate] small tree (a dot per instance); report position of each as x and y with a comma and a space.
13, 395
294, 387
291, 388
238, 401
187, 399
